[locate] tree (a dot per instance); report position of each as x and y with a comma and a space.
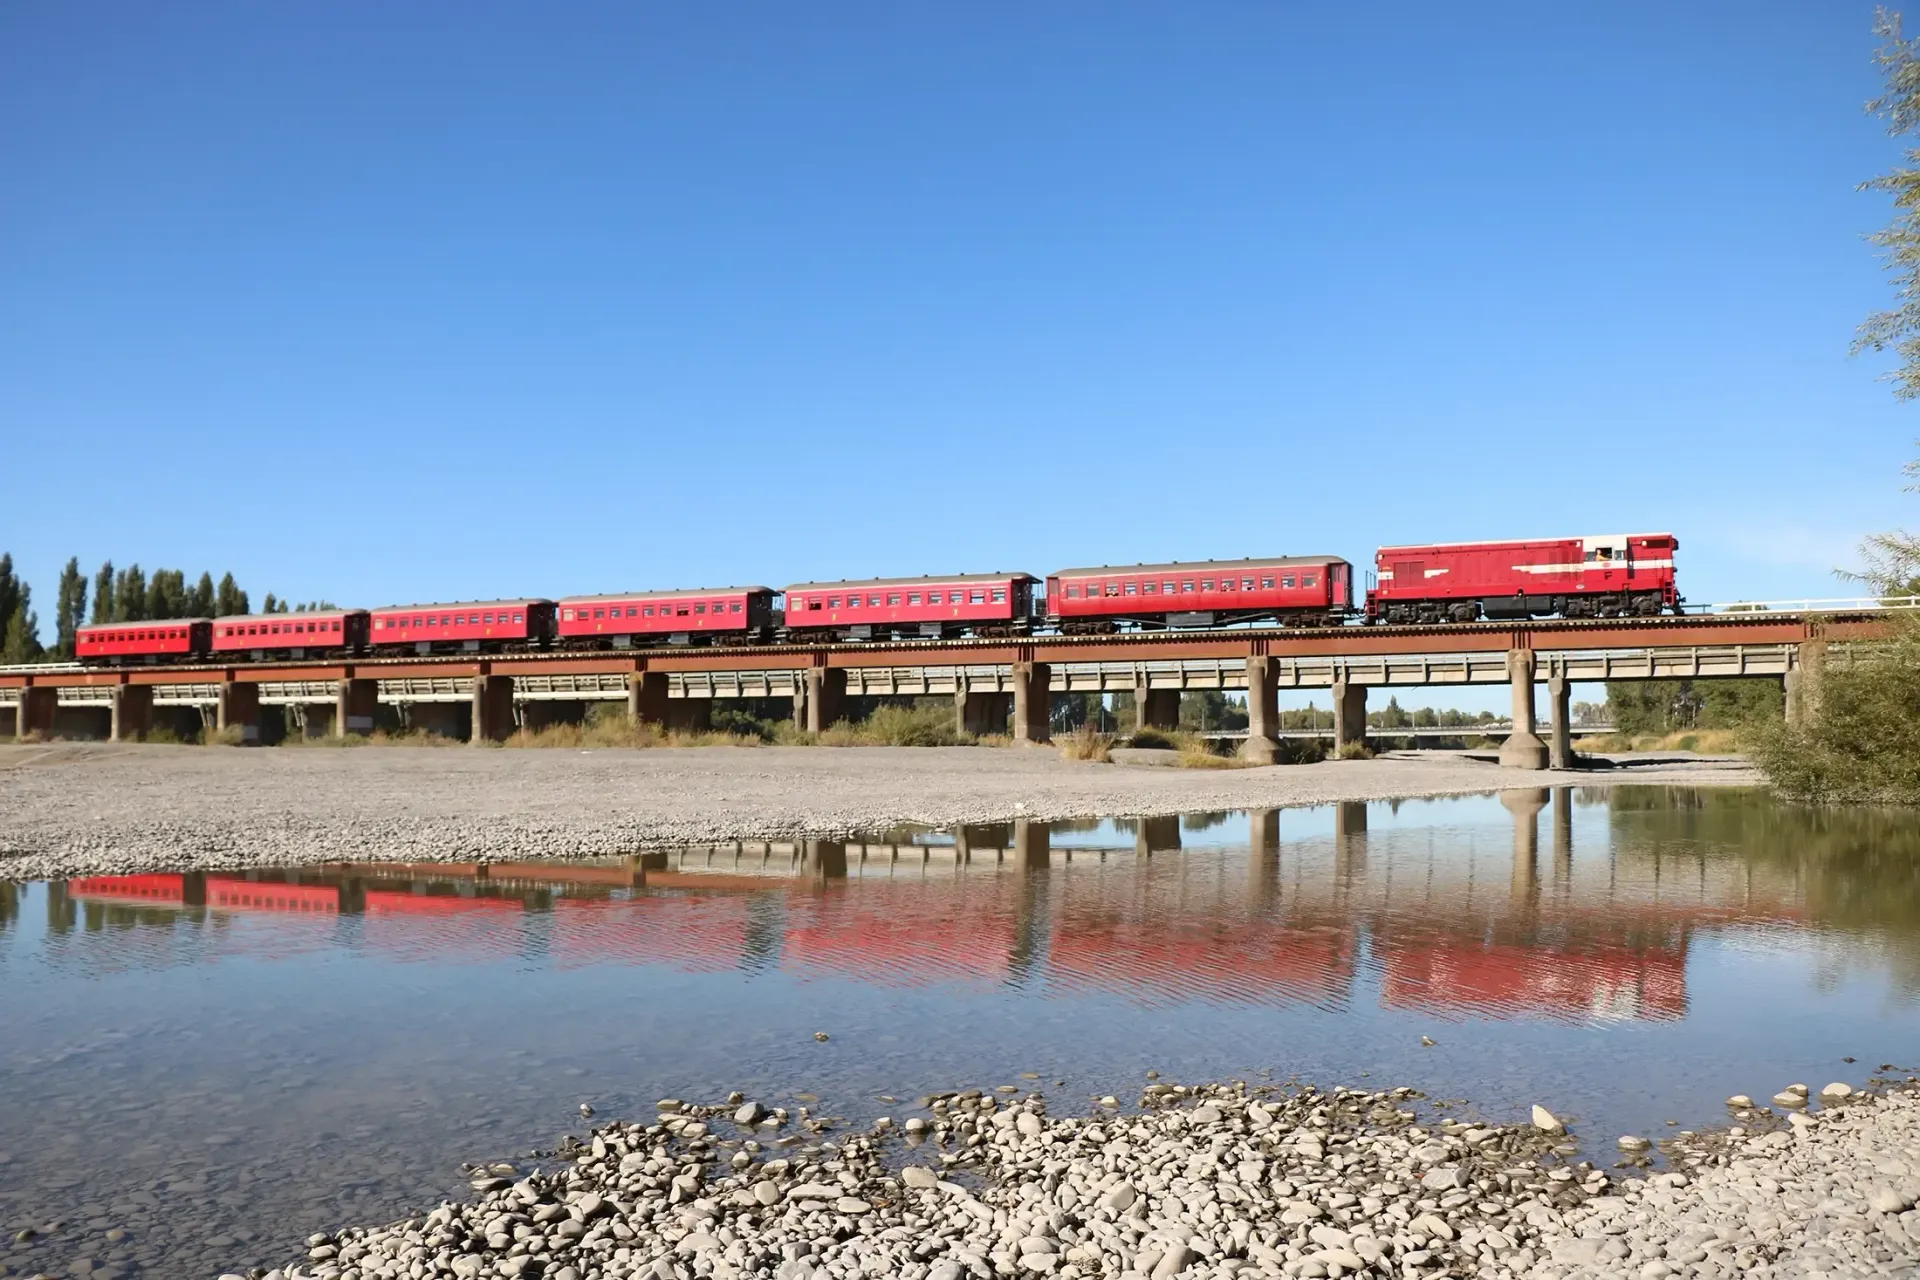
200, 604
1899, 105
228, 599
12, 594
71, 610
130, 595
103, 604
272, 605
22, 642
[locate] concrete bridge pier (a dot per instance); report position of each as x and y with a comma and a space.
35, 712
1523, 748
647, 697
353, 706
492, 709
239, 709
1560, 721
1801, 682
1349, 714
1032, 704
825, 698
980, 714
1263, 713
824, 860
132, 712
1155, 708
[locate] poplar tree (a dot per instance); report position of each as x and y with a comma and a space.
103, 604
71, 610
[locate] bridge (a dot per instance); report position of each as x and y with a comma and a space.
993, 683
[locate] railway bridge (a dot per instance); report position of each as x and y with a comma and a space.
992, 683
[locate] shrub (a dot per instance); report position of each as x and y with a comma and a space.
1158, 739
1859, 741
1354, 751
1084, 744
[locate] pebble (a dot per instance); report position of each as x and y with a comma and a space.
1207, 1182
1546, 1121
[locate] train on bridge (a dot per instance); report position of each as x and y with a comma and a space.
1604, 576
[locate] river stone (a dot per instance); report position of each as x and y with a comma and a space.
1838, 1089
750, 1113
1633, 1142
1546, 1121
919, 1177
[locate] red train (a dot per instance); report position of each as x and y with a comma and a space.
1602, 576
1615, 575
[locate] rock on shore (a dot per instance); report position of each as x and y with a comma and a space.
1209, 1183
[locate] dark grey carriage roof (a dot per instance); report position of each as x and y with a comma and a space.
663, 595
525, 603
1199, 566
144, 624
926, 580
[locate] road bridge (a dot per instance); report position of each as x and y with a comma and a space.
993, 683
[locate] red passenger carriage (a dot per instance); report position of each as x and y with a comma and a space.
489, 626
173, 640
1294, 590
322, 633
720, 615
980, 604
1614, 575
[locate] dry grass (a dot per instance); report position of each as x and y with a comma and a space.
1710, 741
1354, 751
1084, 744
622, 733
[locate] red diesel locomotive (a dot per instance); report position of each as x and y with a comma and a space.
1614, 575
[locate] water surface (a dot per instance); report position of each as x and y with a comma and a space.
216, 1065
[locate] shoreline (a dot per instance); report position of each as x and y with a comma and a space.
1208, 1182
100, 809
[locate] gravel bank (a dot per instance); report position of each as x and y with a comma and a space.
72, 809
1207, 1183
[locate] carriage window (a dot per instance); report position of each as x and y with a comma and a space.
599, 613
734, 607
913, 597
893, 597
1149, 588
1226, 584
1309, 581
874, 601
1133, 588
487, 618
566, 615
1186, 588
517, 618
978, 597
1266, 584
1286, 580
647, 612
1246, 584
699, 608
1169, 587
833, 602
1206, 584
999, 595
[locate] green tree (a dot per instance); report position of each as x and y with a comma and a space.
103, 602
22, 637
71, 610
1899, 104
200, 603
12, 594
130, 595
228, 599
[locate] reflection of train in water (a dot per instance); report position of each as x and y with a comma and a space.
1145, 921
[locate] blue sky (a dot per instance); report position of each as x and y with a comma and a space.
389, 303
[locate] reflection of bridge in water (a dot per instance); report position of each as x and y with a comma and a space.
1450, 919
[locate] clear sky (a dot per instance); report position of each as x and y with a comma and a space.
415, 302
